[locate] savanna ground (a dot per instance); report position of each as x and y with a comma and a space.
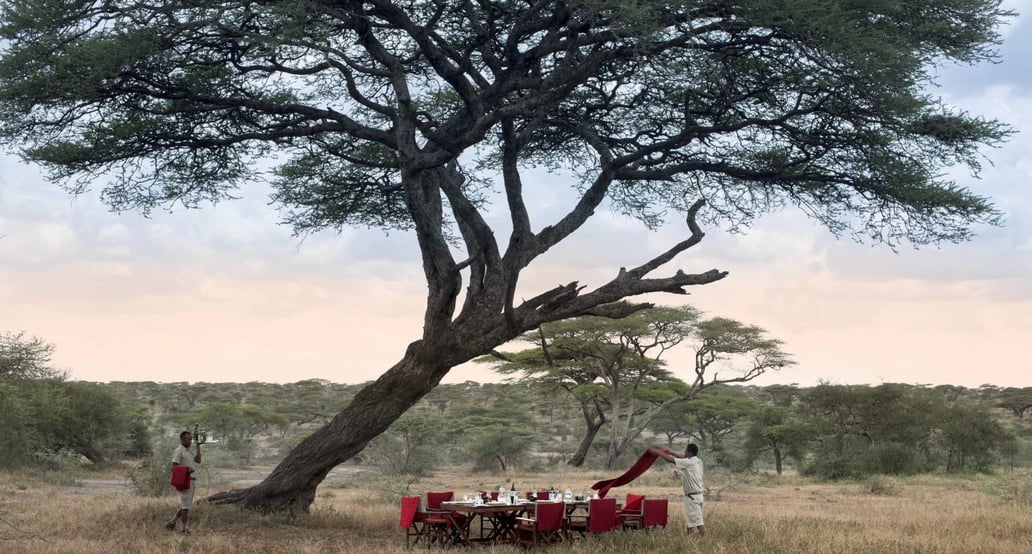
357, 511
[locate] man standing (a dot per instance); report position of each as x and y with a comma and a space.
183, 457
689, 469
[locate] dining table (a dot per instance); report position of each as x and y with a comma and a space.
497, 519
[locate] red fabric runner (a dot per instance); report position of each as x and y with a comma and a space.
641, 466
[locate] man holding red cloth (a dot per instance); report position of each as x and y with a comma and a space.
689, 469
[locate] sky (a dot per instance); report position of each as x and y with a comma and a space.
226, 293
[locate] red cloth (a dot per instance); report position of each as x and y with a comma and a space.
181, 477
641, 466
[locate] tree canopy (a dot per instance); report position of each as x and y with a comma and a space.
423, 115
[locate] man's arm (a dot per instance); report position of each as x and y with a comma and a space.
662, 453
197, 456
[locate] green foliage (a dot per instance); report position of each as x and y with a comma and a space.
896, 429
971, 438
54, 422
235, 426
24, 357
413, 445
151, 477
16, 432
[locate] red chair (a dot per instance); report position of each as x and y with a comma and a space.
542, 495
412, 519
654, 512
545, 527
630, 515
441, 526
601, 517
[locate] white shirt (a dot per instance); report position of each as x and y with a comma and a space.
690, 470
184, 457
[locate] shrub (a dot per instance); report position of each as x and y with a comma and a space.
151, 477
879, 485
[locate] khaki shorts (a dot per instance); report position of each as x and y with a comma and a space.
186, 497
693, 510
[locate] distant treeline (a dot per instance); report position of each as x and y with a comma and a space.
830, 431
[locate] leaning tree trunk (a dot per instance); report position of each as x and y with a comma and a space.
585, 444
777, 460
292, 484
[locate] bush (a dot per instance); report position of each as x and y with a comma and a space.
879, 485
151, 477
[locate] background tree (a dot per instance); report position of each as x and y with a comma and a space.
411, 446
553, 372
713, 415
48, 418
23, 357
971, 438
774, 430
614, 367
236, 426
1017, 400
416, 115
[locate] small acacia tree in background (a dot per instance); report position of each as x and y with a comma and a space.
411, 446
614, 367
774, 429
707, 418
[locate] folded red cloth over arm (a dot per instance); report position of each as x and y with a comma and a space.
641, 466
181, 477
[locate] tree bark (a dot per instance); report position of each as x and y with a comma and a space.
585, 444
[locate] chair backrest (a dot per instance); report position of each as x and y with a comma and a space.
633, 502
434, 499
601, 515
654, 512
542, 495
409, 509
550, 515
494, 495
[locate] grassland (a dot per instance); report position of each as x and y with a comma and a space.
358, 512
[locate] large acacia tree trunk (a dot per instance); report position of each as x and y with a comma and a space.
292, 484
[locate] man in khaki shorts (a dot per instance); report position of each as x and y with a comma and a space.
183, 456
689, 469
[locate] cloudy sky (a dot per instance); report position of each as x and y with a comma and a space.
227, 294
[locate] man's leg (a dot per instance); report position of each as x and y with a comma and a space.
171, 524
185, 501
702, 530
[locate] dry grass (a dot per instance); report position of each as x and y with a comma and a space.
927, 514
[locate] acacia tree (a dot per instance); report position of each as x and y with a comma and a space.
774, 430
24, 357
413, 114
707, 417
614, 367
